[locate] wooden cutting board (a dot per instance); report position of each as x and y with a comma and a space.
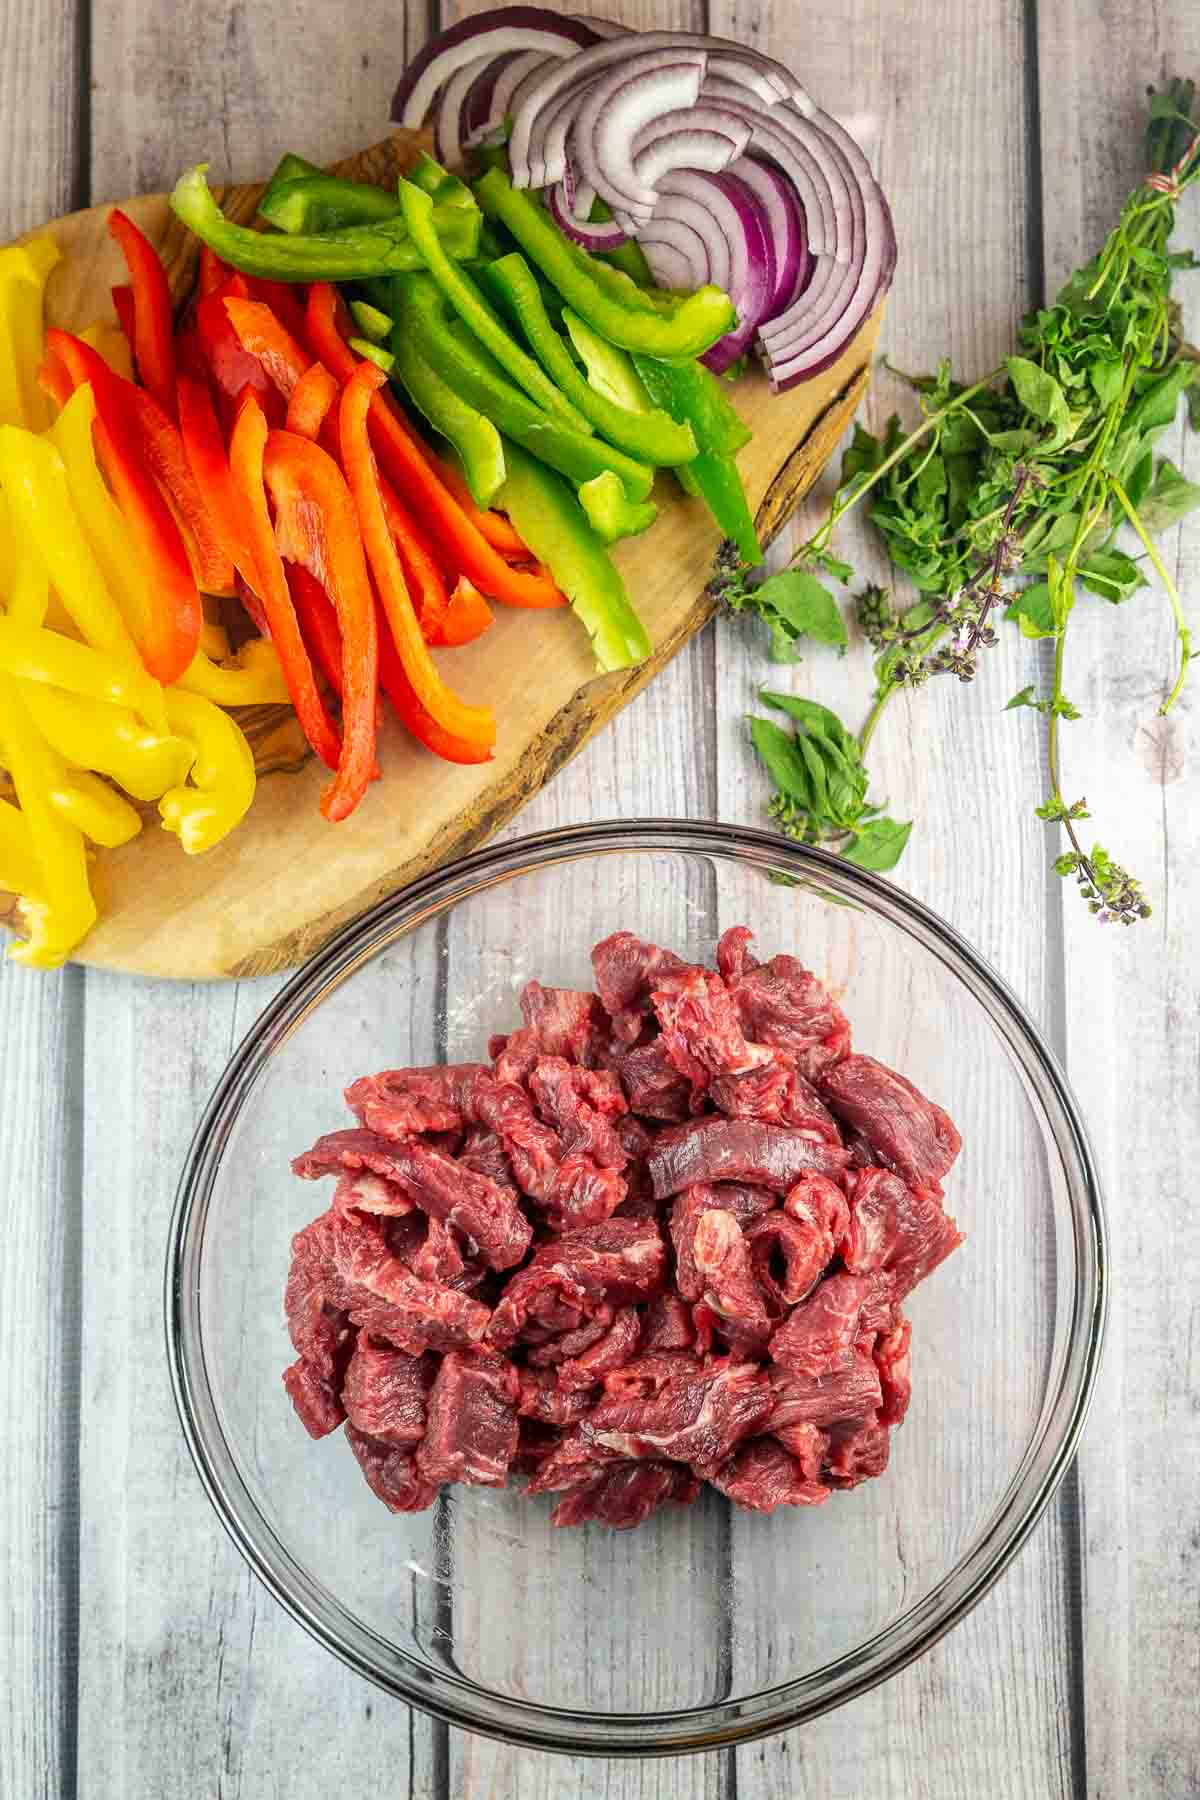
275, 890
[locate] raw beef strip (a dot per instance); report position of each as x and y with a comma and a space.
819, 1202
788, 1258
583, 1193
734, 955
807, 1443
609, 1352
319, 1330
534, 1151
907, 1132
542, 1398
816, 1334
762, 1092
540, 1295
700, 1030
391, 1473
653, 1085
666, 1325
358, 1190
627, 970
893, 1359
361, 1276
848, 1391
635, 1138
581, 1105
565, 1022
622, 1260
317, 1404
897, 1228
782, 1003
763, 1475
712, 1149
722, 1258
385, 1391
573, 1343
401, 1103
743, 1201
871, 1237
471, 1433
439, 1257
513, 1056
574, 1459
704, 1323
858, 1451
647, 1375
626, 1495
697, 1417
406, 1235
483, 1150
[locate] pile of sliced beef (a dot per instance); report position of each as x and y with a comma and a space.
662, 1237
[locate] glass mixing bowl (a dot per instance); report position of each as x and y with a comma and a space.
707, 1625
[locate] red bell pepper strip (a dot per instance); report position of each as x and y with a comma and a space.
311, 399
153, 317
163, 449
122, 299
168, 636
467, 616
318, 622
247, 449
315, 515
205, 451
285, 300
212, 273
189, 357
407, 467
475, 723
232, 369
420, 567
54, 379
498, 530
261, 335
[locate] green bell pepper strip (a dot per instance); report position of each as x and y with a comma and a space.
609, 370
374, 324
379, 354
551, 521
440, 184
689, 391
468, 302
610, 515
450, 349
350, 255
654, 437
316, 203
474, 437
290, 167
606, 298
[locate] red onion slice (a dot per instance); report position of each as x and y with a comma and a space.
676, 253
704, 138
784, 219
605, 28
741, 257
689, 204
614, 111
606, 235
478, 104
449, 129
490, 34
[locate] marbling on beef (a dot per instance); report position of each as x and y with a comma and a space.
492, 1292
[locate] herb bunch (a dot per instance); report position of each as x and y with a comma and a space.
1009, 495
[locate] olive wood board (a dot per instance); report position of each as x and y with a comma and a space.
278, 886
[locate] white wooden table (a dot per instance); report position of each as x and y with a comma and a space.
140, 1660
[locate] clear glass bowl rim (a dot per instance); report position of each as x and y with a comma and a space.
720, 1723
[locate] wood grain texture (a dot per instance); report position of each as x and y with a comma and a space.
1131, 1007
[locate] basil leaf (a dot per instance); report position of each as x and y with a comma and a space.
1170, 497
1156, 407
1038, 392
1031, 610
815, 718
811, 758
879, 845
1028, 696
1112, 575
806, 608
783, 761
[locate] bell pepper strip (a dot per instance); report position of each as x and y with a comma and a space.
153, 316
609, 370
233, 369
24, 270
492, 525
209, 463
290, 166
262, 336
246, 461
61, 911
407, 466
110, 342
382, 248
478, 379
37, 653
311, 400
96, 734
311, 204
252, 677
420, 566
172, 619
649, 434
285, 300
103, 815
436, 181
691, 392
162, 448
54, 379
222, 780
374, 325
413, 716
610, 515
383, 359
467, 616
606, 298
19, 871
122, 299
318, 622
212, 273
472, 435
214, 640
477, 724
468, 301
28, 598
315, 524
548, 516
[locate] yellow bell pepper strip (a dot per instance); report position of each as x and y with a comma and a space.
28, 599
62, 910
223, 778
214, 640
253, 677
37, 654
24, 269
94, 808
19, 871
110, 342
110, 739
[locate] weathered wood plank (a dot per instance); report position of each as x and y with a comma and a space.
1132, 999
963, 278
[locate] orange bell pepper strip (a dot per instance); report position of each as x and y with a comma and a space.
315, 524
420, 567
153, 315
260, 334
500, 533
310, 401
171, 630
232, 370
285, 300
410, 712
209, 463
247, 449
407, 467
318, 622
467, 616
477, 724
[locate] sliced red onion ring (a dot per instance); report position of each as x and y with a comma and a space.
449, 129
676, 253
548, 142
824, 301
488, 34
784, 225
478, 104
605, 28
515, 71
741, 257
607, 235
704, 138
614, 111
683, 206
773, 138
